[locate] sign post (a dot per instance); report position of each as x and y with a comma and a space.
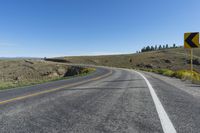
191, 40
191, 60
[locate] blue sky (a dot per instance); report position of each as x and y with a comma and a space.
39, 28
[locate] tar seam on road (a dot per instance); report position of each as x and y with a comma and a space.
54, 89
166, 123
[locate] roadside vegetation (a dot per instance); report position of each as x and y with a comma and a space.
18, 73
181, 74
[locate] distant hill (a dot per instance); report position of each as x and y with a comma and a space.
173, 58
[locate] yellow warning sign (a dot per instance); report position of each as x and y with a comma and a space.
191, 40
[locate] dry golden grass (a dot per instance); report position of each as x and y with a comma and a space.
174, 62
173, 59
181, 74
16, 73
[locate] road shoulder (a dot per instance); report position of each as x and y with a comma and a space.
180, 100
186, 86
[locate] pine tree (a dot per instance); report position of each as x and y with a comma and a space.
163, 46
166, 46
156, 47
160, 47
148, 48
143, 49
152, 48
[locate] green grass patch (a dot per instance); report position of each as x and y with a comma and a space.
165, 72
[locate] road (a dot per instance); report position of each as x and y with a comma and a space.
108, 101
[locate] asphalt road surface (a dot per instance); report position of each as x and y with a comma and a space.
107, 101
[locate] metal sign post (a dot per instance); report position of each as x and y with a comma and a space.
191, 40
191, 62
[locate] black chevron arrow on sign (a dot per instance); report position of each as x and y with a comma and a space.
189, 40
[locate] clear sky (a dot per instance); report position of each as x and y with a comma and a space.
40, 28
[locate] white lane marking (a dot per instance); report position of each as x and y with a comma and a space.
164, 119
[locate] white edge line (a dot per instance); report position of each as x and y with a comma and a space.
166, 123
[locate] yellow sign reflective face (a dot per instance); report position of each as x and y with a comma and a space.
191, 40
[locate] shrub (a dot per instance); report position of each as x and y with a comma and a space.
181, 74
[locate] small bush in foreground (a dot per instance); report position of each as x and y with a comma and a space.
187, 75
166, 72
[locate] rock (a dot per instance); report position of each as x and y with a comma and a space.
167, 61
45, 73
149, 66
54, 74
195, 61
17, 78
61, 71
142, 65
73, 71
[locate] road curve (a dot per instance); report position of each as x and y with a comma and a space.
108, 101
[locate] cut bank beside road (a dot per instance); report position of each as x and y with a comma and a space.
18, 73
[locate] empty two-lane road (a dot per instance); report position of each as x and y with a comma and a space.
107, 101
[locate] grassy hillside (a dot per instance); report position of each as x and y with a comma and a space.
173, 59
16, 73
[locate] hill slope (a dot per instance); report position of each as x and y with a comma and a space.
174, 59
21, 72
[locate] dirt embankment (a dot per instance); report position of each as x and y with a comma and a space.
14, 73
